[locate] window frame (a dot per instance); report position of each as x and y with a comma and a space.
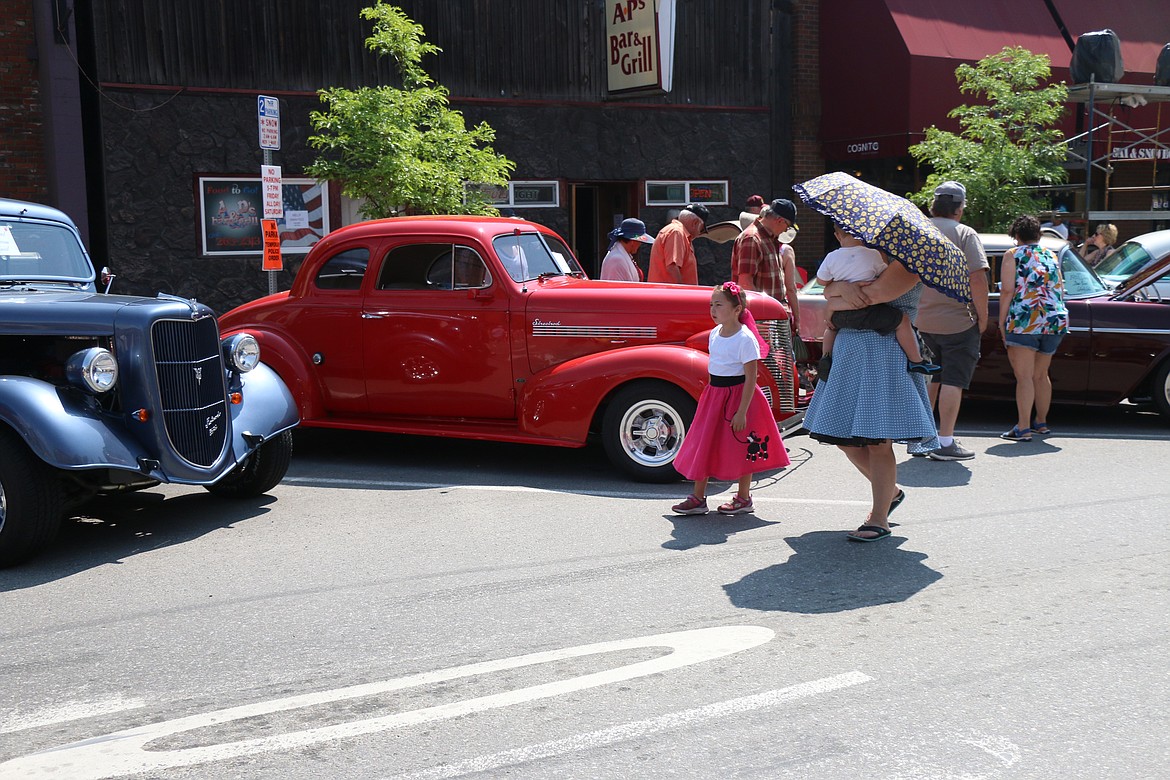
689, 185
510, 188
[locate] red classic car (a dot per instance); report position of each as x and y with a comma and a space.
1118, 346
487, 328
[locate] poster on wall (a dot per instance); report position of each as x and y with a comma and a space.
231, 207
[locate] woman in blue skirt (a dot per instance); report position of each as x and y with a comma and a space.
870, 401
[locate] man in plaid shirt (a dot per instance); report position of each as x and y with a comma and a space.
756, 259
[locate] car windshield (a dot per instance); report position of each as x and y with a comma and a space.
32, 251
1129, 258
528, 256
1079, 279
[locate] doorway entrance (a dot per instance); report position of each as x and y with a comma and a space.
597, 208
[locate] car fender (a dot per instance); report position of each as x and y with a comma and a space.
562, 402
266, 409
292, 366
62, 430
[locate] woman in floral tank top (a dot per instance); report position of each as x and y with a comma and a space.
1034, 319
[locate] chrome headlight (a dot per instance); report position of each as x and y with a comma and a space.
94, 369
242, 351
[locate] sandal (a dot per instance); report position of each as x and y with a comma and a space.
736, 506
878, 531
1015, 434
693, 505
1041, 428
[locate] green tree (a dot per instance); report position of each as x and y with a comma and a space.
1005, 142
404, 149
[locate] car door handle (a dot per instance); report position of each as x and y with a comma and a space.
375, 315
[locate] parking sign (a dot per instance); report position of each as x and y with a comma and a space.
268, 114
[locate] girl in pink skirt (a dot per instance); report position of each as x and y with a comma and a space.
734, 434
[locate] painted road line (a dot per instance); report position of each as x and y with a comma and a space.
642, 494
63, 713
641, 728
124, 752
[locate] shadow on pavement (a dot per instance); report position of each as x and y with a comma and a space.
110, 529
826, 574
1023, 449
696, 530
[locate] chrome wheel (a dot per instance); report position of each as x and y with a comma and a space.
652, 432
644, 427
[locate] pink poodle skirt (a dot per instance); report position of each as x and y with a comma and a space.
713, 450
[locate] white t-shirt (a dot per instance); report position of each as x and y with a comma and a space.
1061, 229
851, 264
618, 266
729, 353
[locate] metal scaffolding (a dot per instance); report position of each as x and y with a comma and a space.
1095, 149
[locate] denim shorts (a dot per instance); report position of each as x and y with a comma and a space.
1044, 343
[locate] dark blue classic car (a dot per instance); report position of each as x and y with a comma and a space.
106, 393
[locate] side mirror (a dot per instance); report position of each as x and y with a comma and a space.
107, 279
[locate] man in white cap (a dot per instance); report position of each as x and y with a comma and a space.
950, 329
672, 258
1057, 224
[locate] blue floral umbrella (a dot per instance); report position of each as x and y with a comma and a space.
892, 224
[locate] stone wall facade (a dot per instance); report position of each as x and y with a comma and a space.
152, 158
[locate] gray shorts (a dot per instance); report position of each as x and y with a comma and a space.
957, 353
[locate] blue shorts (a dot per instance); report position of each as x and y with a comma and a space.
1044, 343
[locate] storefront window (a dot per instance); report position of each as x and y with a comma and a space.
680, 193
522, 194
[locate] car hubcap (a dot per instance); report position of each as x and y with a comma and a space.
652, 432
3, 506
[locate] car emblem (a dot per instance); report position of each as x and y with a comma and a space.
198, 375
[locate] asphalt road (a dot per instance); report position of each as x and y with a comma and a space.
404, 607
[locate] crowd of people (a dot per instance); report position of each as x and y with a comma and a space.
890, 381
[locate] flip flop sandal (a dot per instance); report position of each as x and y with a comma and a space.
898, 499
881, 532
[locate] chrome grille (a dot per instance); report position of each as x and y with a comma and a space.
780, 362
190, 382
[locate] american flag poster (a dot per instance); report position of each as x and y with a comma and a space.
230, 219
306, 215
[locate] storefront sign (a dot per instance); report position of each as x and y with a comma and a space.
639, 45
1141, 153
859, 148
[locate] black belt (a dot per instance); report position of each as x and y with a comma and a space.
726, 381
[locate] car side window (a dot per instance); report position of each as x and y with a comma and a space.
433, 267
344, 271
469, 272
409, 267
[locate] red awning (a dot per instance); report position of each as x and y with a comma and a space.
888, 66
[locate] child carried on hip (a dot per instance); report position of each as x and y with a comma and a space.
855, 262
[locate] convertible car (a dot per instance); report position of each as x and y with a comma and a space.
1118, 347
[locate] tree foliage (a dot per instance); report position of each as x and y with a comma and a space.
403, 149
1005, 142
